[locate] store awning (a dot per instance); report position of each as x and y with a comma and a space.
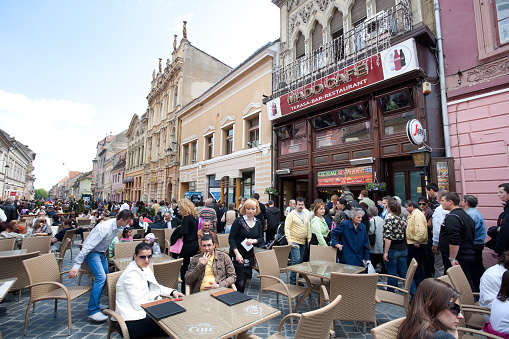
128, 180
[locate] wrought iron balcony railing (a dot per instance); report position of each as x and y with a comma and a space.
363, 41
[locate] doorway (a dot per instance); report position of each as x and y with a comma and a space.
292, 188
404, 180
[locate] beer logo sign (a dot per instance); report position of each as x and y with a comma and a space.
415, 132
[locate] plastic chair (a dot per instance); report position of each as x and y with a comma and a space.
473, 312
7, 244
46, 283
359, 297
39, 244
394, 298
167, 273
270, 279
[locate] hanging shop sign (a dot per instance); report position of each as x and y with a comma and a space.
215, 192
193, 196
391, 62
346, 176
415, 132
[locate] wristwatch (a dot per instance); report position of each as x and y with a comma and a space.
452, 259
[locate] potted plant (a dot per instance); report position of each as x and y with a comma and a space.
376, 186
271, 191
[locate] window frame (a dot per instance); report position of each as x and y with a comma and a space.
496, 22
229, 139
252, 129
185, 154
410, 97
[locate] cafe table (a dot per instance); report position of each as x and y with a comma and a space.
5, 285
13, 252
206, 317
320, 269
122, 263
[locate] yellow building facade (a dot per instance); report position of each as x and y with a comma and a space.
225, 136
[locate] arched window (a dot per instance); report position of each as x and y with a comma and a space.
300, 49
317, 37
336, 24
382, 5
175, 97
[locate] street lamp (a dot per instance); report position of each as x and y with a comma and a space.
421, 158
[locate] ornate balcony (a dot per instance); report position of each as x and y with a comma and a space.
363, 41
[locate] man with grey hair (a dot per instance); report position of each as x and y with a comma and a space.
437, 220
208, 213
469, 204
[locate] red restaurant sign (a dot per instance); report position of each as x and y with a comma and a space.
347, 176
384, 65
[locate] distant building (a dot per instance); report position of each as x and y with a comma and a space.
117, 178
133, 180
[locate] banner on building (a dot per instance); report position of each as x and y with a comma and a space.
215, 192
193, 196
345, 176
391, 62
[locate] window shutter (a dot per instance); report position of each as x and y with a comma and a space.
384, 4
300, 50
336, 23
358, 11
317, 38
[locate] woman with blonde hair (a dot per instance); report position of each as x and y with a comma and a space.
435, 312
291, 207
246, 231
189, 233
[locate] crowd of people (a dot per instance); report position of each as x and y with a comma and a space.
438, 232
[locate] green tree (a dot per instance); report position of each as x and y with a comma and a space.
41, 193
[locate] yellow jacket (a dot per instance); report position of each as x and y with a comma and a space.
417, 228
297, 230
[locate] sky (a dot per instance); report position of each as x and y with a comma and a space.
72, 72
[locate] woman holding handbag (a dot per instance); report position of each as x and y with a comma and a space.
229, 217
189, 233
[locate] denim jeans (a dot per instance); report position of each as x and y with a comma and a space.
396, 266
297, 255
98, 265
227, 229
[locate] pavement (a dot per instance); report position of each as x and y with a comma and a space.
42, 324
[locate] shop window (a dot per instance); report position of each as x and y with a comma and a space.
247, 184
228, 140
352, 113
396, 123
397, 101
298, 140
502, 20
284, 132
397, 108
344, 134
323, 121
253, 133
229, 187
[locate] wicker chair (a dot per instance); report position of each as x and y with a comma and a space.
159, 233
66, 245
389, 330
46, 283
325, 253
124, 250
167, 236
7, 244
40, 244
472, 311
12, 268
167, 273
359, 297
270, 281
222, 240
83, 221
69, 234
394, 298
311, 324
85, 235
282, 253
113, 317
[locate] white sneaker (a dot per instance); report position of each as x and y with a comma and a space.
104, 306
99, 317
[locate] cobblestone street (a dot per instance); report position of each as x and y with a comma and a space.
42, 324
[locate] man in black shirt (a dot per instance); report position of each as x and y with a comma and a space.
457, 237
273, 216
261, 215
432, 191
502, 243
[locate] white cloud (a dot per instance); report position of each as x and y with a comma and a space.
51, 128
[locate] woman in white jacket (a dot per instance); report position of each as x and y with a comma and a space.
136, 286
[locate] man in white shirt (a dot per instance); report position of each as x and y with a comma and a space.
93, 253
437, 220
125, 206
491, 281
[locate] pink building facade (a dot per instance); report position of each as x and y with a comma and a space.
476, 49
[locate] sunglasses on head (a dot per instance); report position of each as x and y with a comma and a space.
455, 308
143, 257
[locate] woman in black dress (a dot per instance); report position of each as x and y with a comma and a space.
246, 230
189, 233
